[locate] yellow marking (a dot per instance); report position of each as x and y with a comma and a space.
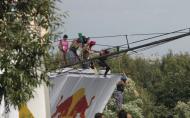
75, 98
24, 112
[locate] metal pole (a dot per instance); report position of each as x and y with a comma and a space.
127, 41
134, 48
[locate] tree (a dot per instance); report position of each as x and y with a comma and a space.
175, 80
182, 110
23, 47
132, 102
161, 83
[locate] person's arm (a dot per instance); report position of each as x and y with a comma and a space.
60, 45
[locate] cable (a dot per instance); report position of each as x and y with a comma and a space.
133, 48
110, 36
121, 46
152, 34
133, 52
139, 41
159, 34
145, 34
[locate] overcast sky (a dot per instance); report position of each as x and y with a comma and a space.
113, 17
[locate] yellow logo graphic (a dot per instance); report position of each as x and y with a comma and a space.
24, 112
73, 105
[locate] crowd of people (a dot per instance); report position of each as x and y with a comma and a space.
85, 44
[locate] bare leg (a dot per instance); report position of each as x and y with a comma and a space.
64, 58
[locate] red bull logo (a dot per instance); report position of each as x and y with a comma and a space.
74, 105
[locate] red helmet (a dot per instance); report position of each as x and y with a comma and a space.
91, 43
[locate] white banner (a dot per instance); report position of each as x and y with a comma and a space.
80, 95
72, 95
37, 107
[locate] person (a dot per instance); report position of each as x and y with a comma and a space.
102, 61
74, 47
124, 80
129, 115
86, 50
84, 40
118, 96
122, 114
118, 93
63, 46
99, 115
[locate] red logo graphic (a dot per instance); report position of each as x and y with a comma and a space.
75, 104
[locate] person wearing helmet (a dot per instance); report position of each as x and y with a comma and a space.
118, 93
86, 50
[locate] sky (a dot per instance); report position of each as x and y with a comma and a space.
115, 17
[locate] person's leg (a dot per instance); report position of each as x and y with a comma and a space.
118, 100
107, 70
75, 53
86, 64
102, 63
92, 65
64, 58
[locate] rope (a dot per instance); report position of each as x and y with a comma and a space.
119, 64
121, 46
159, 36
135, 48
121, 35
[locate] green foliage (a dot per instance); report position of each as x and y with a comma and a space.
54, 61
23, 46
161, 83
175, 70
182, 110
133, 103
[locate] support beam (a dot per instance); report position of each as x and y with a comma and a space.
134, 48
